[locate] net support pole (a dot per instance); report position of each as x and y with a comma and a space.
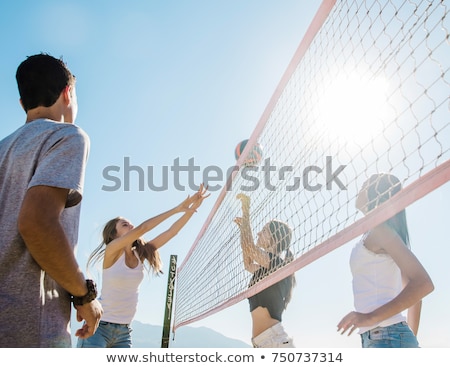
169, 301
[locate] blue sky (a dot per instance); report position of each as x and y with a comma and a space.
158, 80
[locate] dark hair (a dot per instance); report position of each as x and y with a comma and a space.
145, 251
282, 235
382, 187
41, 78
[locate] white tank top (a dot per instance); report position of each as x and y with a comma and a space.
376, 281
120, 290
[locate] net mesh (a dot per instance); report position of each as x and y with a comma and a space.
366, 92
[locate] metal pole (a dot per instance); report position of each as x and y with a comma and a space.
169, 301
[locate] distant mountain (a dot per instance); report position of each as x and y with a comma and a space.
149, 336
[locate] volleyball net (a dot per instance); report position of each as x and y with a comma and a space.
367, 91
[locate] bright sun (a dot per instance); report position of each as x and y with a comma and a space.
354, 108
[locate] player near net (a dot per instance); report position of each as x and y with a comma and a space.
387, 277
123, 252
269, 253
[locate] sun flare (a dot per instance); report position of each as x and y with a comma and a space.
354, 108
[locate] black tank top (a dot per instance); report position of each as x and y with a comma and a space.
273, 298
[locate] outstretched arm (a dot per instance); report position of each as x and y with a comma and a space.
115, 248
253, 256
197, 200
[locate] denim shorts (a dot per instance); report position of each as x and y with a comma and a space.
398, 335
273, 337
108, 335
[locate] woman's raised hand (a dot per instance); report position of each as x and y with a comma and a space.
191, 203
199, 197
245, 200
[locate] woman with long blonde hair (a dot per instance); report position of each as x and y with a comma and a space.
123, 253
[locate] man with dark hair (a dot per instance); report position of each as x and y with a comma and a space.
42, 166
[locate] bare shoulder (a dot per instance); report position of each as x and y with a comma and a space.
381, 238
112, 254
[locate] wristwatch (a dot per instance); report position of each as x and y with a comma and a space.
89, 297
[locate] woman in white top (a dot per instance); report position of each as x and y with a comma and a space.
124, 252
387, 278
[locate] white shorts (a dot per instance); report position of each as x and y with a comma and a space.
273, 337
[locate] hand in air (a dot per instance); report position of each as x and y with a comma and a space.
245, 200
199, 197
244, 220
191, 203
238, 221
